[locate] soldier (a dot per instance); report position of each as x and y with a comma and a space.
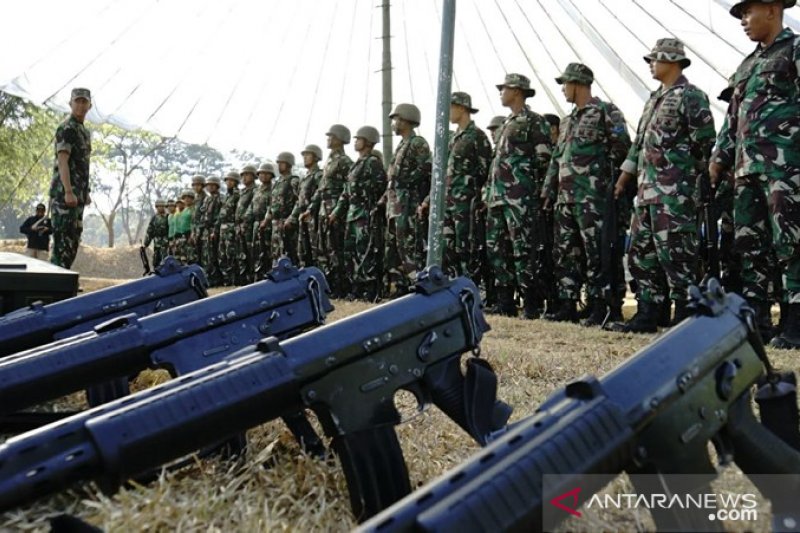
226, 230
283, 197
262, 231
673, 143
594, 141
184, 249
469, 156
409, 181
494, 127
157, 233
210, 231
329, 240
172, 207
366, 181
69, 187
198, 185
555, 126
760, 144
312, 155
244, 227
512, 195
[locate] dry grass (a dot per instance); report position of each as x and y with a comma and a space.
533, 359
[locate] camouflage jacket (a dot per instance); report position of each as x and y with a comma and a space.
72, 137
365, 184
227, 212
199, 213
409, 176
283, 196
243, 205
308, 186
761, 131
522, 156
211, 208
592, 143
157, 231
470, 155
260, 204
673, 143
331, 184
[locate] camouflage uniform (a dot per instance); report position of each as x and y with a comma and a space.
157, 234
593, 142
282, 201
262, 256
409, 180
366, 182
212, 206
244, 235
516, 178
467, 168
328, 242
184, 249
71, 137
305, 228
760, 143
226, 231
673, 142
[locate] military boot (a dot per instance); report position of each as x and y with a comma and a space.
789, 339
644, 321
567, 312
532, 306
665, 313
505, 302
682, 312
597, 313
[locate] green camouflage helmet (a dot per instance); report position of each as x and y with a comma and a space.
267, 167
670, 50
313, 149
198, 179
517, 81
161, 202
737, 8
251, 169
286, 157
496, 122
464, 100
369, 134
233, 175
187, 192
408, 112
576, 73
213, 180
341, 132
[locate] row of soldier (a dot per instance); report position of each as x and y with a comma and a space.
532, 219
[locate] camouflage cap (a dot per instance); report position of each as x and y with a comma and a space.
670, 50
517, 81
464, 100
251, 169
81, 92
313, 149
187, 192
496, 122
161, 202
233, 175
213, 180
198, 179
267, 167
576, 73
737, 8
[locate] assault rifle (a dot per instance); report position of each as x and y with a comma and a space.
171, 286
146, 270
709, 235
655, 414
542, 257
347, 372
610, 253
479, 269
180, 340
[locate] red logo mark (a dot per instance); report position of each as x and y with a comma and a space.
571, 494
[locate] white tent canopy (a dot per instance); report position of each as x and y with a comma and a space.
273, 75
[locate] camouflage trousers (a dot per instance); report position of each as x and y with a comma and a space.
262, 251
244, 254
663, 253
197, 244
767, 226
183, 250
284, 242
576, 254
400, 254
329, 246
305, 247
227, 254
456, 234
730, 258
67, 230
211, 258
359, 265
159, 250
509, 230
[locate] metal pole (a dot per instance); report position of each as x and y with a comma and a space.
386, 69
435, 247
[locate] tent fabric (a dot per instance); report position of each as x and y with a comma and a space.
273, 75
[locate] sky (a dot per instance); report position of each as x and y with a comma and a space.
273, 75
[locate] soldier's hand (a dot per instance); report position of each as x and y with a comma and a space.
332, 219
546, 203
619, 187
287, 224
70, 199
262, 225
422, 211
305, 215
715, 171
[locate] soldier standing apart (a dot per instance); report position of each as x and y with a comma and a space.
672, 146
244, 227
512, 195
210, 231
37, 229
171, 208
594, 142
227, 230
329, 240
157, 233
69, 188
760, 143
366, 181
282, 201
409, 181
196, 240
262, 231
312, 155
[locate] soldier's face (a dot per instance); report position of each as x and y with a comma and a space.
456, 112
264, 177
80, 107
197, 187
309, 159
568, 89
757, 20
213, 188
283, 167
188, 201
171, 209
231, 184
359, 144
160, 209
248, 178
397, 125
508, 95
